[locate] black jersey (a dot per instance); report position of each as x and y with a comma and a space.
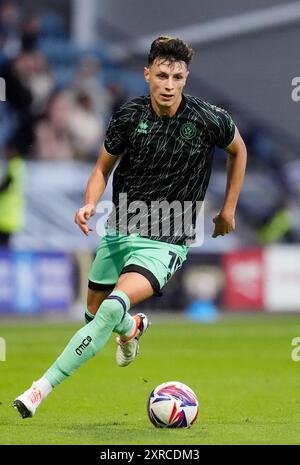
165, 160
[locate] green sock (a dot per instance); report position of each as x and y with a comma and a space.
126, 327
91, 338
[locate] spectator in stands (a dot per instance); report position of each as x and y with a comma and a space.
88, 80
12, 199
278, 225
40, 82
118, 95
69, 129
53, 139
31, 30
10, 42
15, 73
87, 129
19, 98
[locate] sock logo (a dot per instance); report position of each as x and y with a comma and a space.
83, 345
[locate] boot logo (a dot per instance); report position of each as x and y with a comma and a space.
35, 395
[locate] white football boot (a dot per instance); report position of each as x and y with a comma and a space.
28, 402
128, 349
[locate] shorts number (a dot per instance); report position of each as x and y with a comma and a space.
174, 263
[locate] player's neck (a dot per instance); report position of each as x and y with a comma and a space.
165, 111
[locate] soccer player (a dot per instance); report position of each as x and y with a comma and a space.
163, 144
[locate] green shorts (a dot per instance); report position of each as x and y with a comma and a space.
119, 253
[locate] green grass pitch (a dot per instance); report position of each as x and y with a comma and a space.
240, 368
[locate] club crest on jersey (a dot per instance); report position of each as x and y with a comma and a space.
188, 131
142, 128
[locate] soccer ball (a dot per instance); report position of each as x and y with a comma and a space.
172, 405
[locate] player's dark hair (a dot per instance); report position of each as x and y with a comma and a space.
170, 49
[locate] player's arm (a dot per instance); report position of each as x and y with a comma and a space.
95, 188
236, 166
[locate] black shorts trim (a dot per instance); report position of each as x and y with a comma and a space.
147, 274
100, 287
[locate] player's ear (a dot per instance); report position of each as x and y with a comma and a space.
146, 74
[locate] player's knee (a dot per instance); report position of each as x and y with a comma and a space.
112, 309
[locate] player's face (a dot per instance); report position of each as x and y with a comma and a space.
166, 82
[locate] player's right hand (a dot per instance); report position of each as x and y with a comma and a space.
83, 215
224, 224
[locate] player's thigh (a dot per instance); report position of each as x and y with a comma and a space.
156, 261
107, 266
95, 299
135, 286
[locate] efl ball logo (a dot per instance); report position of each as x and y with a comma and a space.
173, 405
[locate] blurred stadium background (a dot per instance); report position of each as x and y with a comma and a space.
67, 65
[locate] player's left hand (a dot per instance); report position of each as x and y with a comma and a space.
224, 224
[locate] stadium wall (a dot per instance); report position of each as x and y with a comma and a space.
254, 280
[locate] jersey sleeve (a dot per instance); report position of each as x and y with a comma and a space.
116, 137
223, 128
